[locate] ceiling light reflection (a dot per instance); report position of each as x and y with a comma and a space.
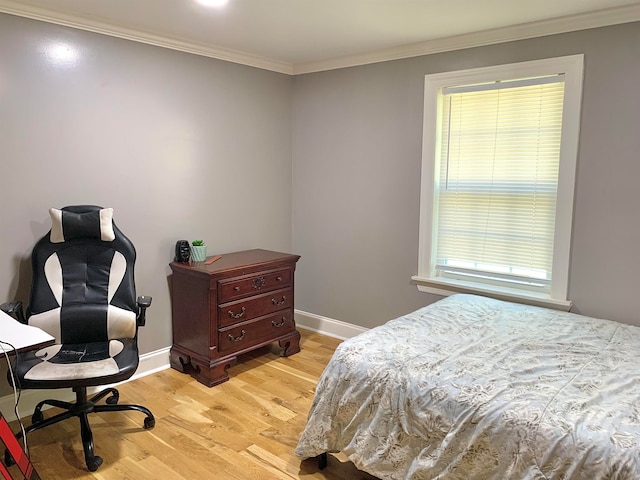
213, 3
61, 54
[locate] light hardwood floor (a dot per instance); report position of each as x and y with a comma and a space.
246, 428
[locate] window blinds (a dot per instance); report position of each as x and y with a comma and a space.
498, 177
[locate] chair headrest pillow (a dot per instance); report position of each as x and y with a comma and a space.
67, 225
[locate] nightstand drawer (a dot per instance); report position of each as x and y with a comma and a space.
253, 307
247, 334
238, 287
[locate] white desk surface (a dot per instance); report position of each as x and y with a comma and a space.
22, 337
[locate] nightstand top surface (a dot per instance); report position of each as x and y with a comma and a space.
228, 261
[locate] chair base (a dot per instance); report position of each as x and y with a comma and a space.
81, 409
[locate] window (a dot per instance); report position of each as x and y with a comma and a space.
499, 158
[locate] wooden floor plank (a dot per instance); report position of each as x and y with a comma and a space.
243, 429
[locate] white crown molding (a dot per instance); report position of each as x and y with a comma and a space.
600, 18
82, 23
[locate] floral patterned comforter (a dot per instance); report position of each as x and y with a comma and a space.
474, 388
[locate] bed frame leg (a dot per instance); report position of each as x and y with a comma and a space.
322, 461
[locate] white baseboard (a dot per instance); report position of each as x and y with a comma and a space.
149, 363
327, 326
159, 360
152, 362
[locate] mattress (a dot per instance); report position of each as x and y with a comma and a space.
475, 388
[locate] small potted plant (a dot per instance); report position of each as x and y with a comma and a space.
198, 251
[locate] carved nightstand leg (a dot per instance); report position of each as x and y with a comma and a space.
291, 344
178, 361
216, 373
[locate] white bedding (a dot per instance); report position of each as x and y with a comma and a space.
474, 388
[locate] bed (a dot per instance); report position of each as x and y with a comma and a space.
475, 388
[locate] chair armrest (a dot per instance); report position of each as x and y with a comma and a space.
15, 310
143, 302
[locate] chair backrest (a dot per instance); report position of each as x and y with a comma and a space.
83, 278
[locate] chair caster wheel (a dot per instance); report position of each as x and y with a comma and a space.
112, 400
93, 463
36, 417
149, 423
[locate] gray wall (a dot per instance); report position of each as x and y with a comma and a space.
356, 182
180, 146
189, 147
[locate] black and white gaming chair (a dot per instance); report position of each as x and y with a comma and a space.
83, 294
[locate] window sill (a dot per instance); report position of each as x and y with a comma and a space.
448, 287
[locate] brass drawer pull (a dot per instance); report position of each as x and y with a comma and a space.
237, 315
259, 282
237, 339
276, 302
279, 279
237, 289
280, 323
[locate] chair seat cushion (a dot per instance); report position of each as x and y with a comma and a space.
69, 365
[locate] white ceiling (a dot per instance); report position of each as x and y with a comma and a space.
297, 36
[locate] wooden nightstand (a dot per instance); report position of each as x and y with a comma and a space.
241, 302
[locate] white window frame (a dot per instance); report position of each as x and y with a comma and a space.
427, 279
